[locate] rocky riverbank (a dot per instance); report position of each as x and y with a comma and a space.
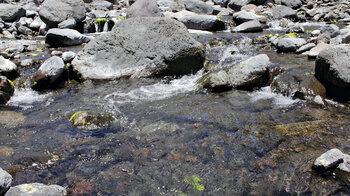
129, 72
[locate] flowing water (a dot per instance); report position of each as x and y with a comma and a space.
167, 135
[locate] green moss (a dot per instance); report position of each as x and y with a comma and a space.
39, 48
194, 181
308, 31
301, 13
218, 17
76, 115
292, 35
334, 22
11, 83
34, 54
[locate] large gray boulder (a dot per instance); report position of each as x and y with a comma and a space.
247, 75
49, 74
65, 37
141, 47
236, 5
333, 70
250, 26
281, 11
202, 22
198, 7
5, 181
9, 12
144, 8
289, 44
36, 189
53, 12
298, 83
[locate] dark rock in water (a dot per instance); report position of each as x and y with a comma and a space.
333, 70
299, 84
5, 181
202, 22
65, 37
295, 4
289, 44
53, 12
236, 5
70, 23
50, 74
331, 160
7, 68
9, 12
37, 189
250, 26
89, 121
282, 11
6, 89
247, 75
144, 8
141, 47
198, 7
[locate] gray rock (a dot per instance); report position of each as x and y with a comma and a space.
332, 29
215, 81
36, 189
65, 37
288, 44
102, 5
198, 7
295, 4
298, 83
332, 159
35, 25
140, 47
202, 22
68, 56
282, 11
6, 90
67, 24
5, 180
333, 70
244, 16
305, 48
144, 8
172, 5
314, 52
27, 62
9, 12
236, 5
7, 68
49, 73
250, 26
53, 12
222, 3
24, 30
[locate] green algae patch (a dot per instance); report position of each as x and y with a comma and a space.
89, 121
194, 182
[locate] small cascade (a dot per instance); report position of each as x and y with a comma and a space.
26, 98
99, 25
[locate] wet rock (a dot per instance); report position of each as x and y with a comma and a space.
289, 44
332, 29
68, 56
53, 12
90, 121
250, 26
10, 12
24, 30
102, 5
35, 25
332, 159
70, 23
324, 37
305, 48
160, 126
299, 84
144, 8
27, 62
295, 4
236, 5
6, 89
140, 47
7, 68
5, 181
198, 7
247, 75
314, 52
333, 70
65, 37
49, 74
10, 119
245, 16
37, 189
202, 22
282, 11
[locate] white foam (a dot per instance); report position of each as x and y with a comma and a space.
26, 98
278, 100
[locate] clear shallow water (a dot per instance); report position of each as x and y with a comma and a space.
166, 132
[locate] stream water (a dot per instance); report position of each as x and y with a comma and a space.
168, 135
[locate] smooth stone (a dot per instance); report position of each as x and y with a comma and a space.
7, 67
10, 12
5, 181
36, 189
250, 26
333, 158
314, 52
27, 62
288, 44
144, 8
70, 23
305, 48
68, 56
65, 37
202, 22
198, 7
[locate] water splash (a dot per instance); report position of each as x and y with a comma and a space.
278, 100
26, 98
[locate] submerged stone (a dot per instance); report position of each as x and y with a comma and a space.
88, 120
